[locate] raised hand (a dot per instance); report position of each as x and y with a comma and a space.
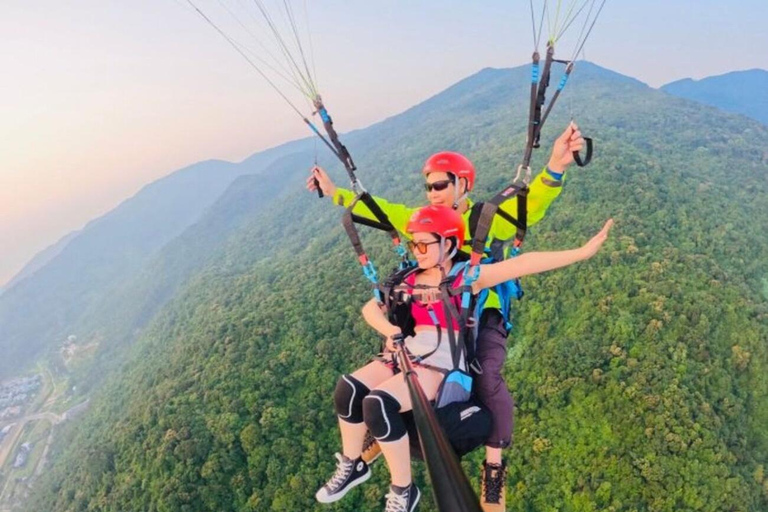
562, 152
319, 178
593, 246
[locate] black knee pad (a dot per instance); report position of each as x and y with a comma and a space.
348, 399
382, 416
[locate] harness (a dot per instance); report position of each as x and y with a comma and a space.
499, 250
397, 302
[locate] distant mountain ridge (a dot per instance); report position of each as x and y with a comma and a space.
61, 284
40, 260
740, 92
131, 303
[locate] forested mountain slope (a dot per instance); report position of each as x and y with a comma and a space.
641, 376
40, 308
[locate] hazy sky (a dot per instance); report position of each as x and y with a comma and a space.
99, 97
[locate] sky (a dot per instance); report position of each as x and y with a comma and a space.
101, 97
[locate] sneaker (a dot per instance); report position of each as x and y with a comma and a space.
349, 473
493, 491
403, 500
371, 449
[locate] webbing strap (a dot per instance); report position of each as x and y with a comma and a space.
354, 236
537, 116
348, 220
457, 346
560, 87
492, 208
541, 97
463, 318
340, 149
368, 200
538, 100
532, 107
370, 223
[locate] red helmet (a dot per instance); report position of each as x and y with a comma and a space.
441, 220
453, 163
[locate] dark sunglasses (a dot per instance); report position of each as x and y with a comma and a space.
421, 246
438, 185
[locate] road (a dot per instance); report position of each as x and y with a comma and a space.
50, 393
13, 436
11, 440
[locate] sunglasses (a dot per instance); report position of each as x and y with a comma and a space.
421, 246
438, 185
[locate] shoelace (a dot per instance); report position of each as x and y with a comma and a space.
343, 469
397, 502
494, 479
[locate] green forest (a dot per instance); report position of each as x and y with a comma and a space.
640, 376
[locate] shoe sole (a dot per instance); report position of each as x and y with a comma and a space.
332, 498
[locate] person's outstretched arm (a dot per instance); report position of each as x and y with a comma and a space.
538, 262
398, 214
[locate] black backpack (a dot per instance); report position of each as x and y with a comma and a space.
466, 424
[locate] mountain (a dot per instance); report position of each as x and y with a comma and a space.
640, 376
60, 286
740, 92
131, 303
40, 260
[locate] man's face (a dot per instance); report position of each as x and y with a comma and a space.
443, 189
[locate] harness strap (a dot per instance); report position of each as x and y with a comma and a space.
492, 208
340, 149
348, 220
457, 346
541, 97
462, 315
